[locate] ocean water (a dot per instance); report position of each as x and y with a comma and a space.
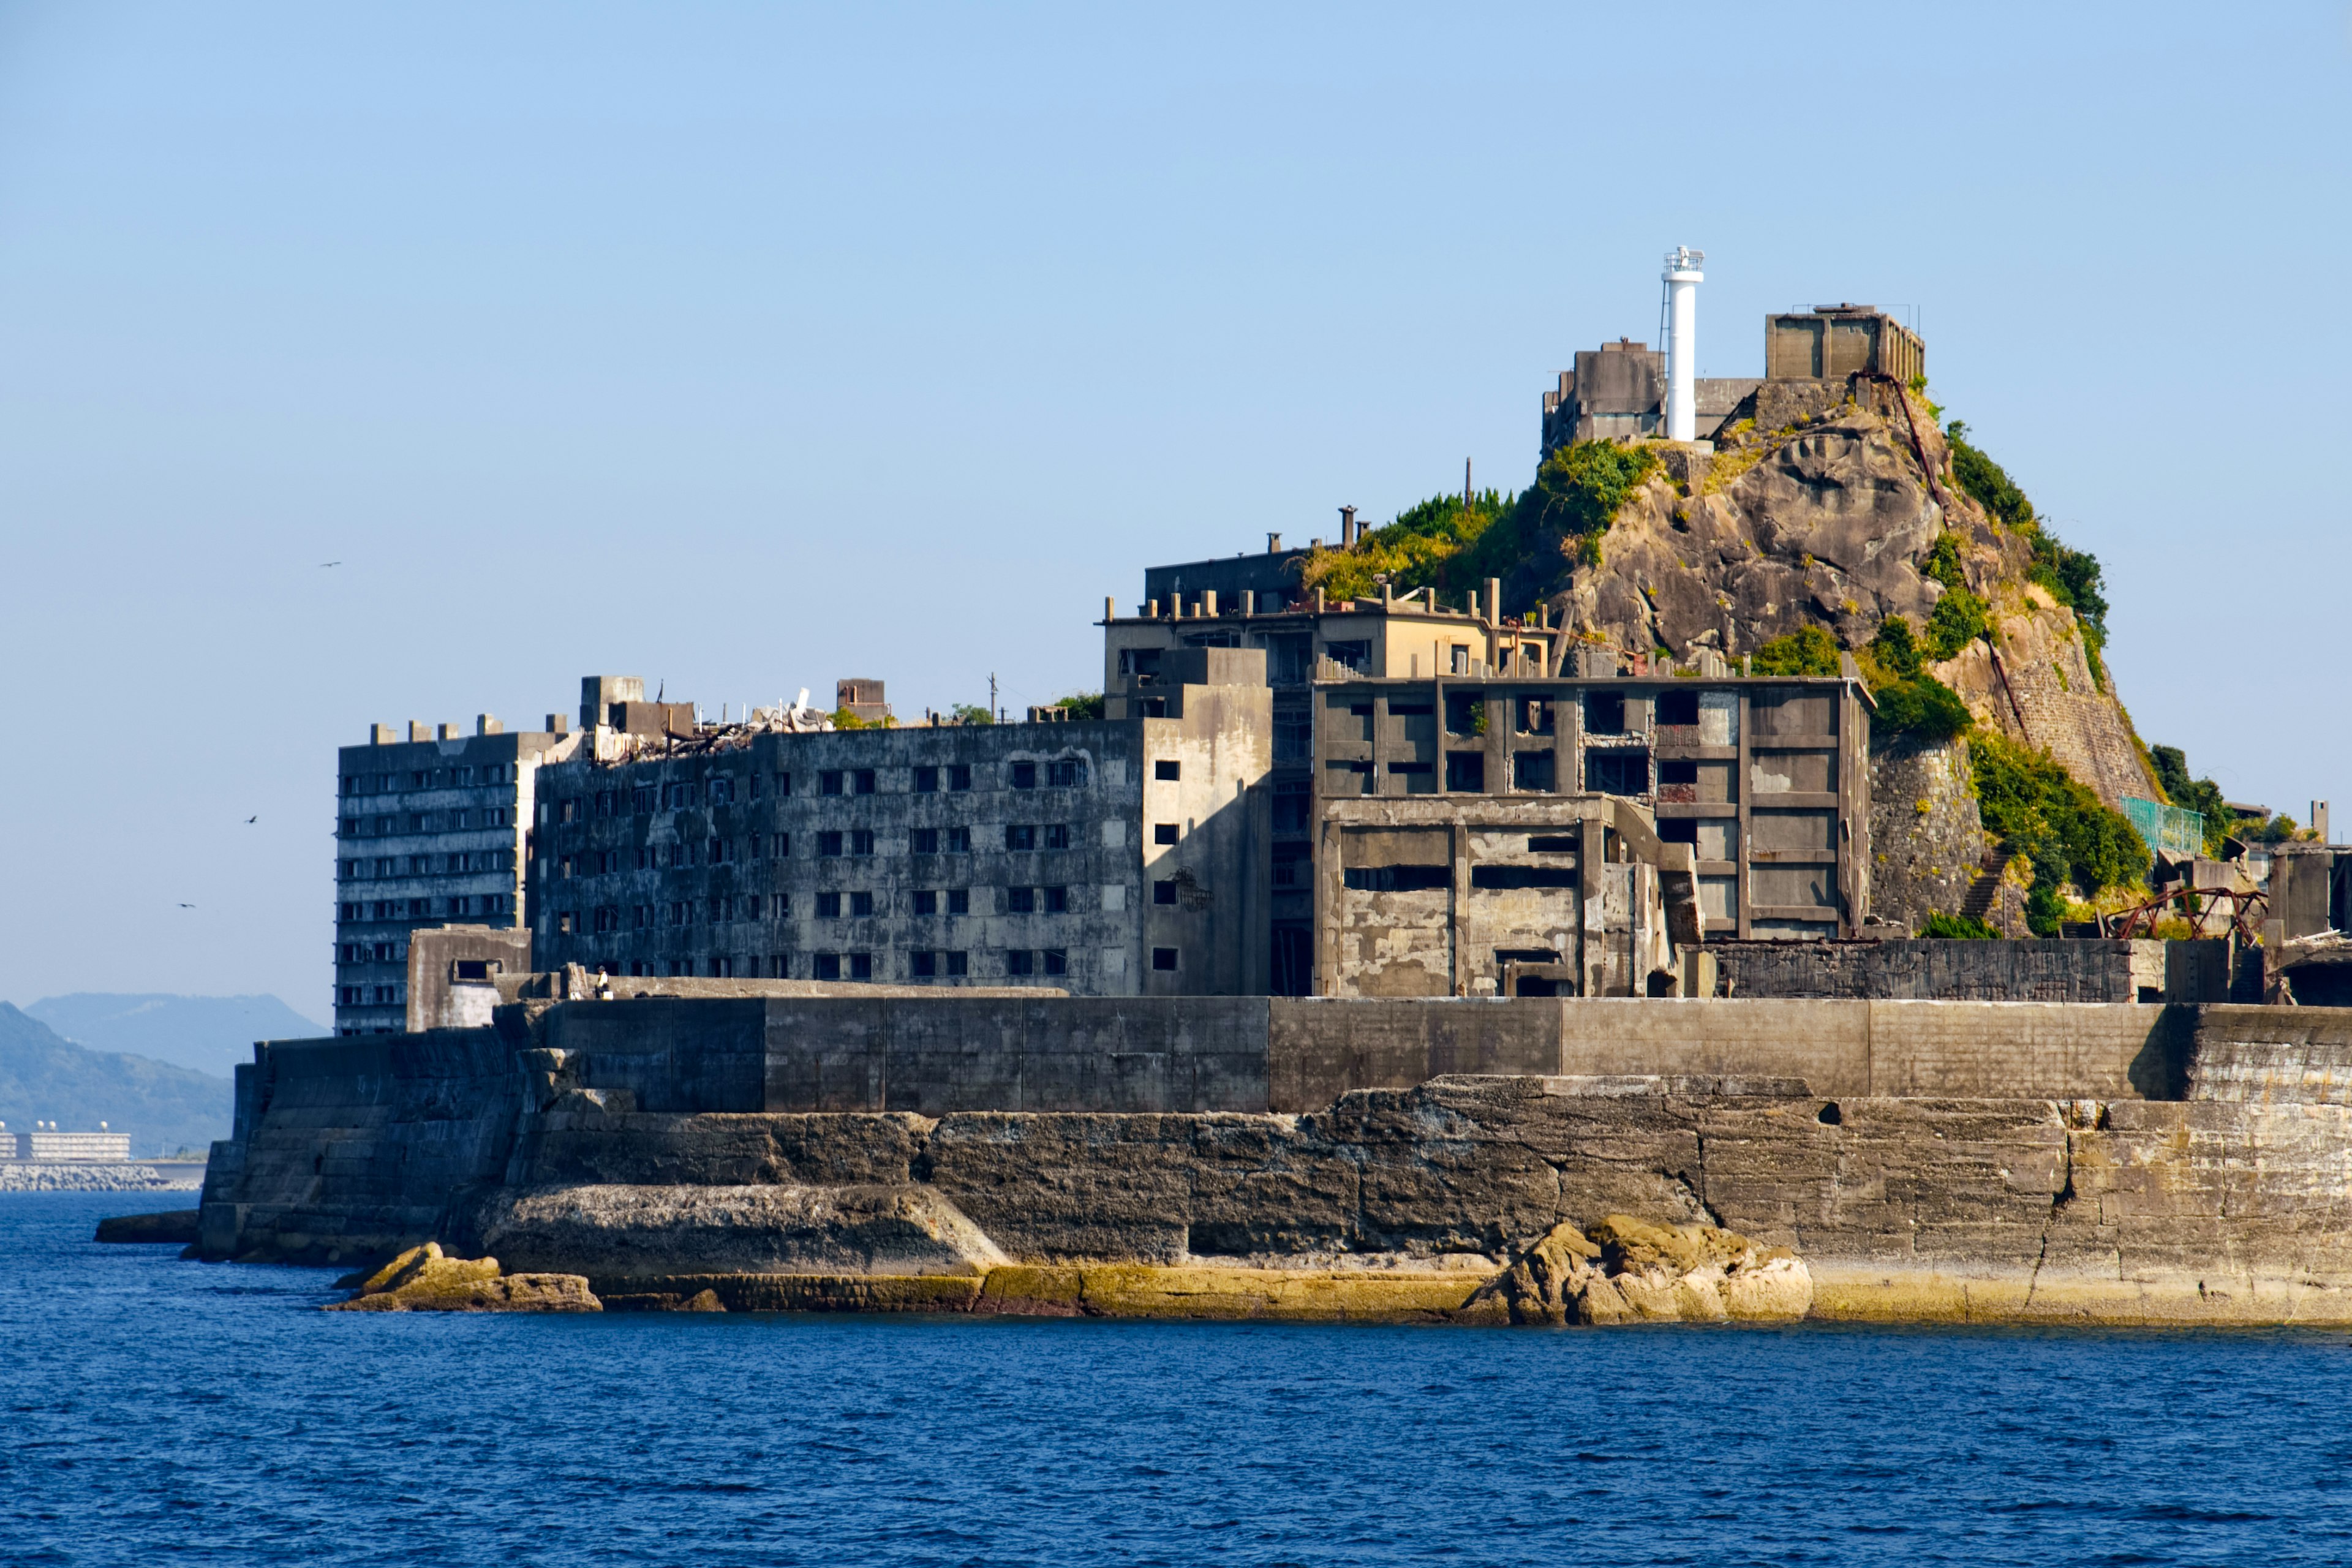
154, 1411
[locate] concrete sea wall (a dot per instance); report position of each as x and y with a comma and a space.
1925, 1161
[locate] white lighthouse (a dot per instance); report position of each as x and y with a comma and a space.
1682, 278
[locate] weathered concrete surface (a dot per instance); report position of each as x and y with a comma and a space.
2205, 1182
680, 1228
2018, 970
2122, 1211
1320, 1050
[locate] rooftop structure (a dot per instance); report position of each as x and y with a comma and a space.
1829, 342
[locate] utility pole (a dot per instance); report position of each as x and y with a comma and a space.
992, 710
1466, 481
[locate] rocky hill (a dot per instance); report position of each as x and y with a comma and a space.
1837, 516
1828, 507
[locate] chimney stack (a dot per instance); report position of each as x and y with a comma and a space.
1347, 526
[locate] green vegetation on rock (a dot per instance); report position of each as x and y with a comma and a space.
1421, 549
1447, 544
1987, 480
2060, 825
2073, 577
1808, 650
1910, 700
1082, 704
1963, 928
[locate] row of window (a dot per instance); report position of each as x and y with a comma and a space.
723, 789
855, 842
1614, 772
370, 995
1604, 712
428, 909
458, 864
829, 905
429, 778
922, 964
424, 822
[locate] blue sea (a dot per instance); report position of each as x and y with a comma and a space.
154, 1411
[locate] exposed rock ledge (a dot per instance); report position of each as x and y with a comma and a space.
423, 1279
1625, 1270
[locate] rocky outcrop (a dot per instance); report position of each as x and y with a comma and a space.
1628, 1270
424, 1280
1822, 509
177, 1226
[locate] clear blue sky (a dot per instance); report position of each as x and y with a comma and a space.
746, 347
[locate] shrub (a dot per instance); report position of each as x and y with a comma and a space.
1809, 650
1421, 549
2073, 577
965, 713
1924, 708
1910, 700
1082, 704
1987, 481
1957, 621
1964, 928
1943, 562
2064, 829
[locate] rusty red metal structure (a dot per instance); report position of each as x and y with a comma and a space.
2246, 910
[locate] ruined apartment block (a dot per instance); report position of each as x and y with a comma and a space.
1765, 780
430, 830
1121, 857
1253, 601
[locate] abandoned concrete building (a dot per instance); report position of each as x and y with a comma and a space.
431, 829
1619, 389
1303, 638
1455, 819
1117, 856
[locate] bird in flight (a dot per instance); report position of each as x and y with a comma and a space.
254, 818
324, 564
187, 906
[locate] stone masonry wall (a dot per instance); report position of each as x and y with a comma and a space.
1927, 840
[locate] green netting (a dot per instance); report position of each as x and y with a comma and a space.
2167, 828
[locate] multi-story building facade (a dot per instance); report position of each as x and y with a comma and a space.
1481, 792
1305, 636
1119, 857
1781, 846
431, 829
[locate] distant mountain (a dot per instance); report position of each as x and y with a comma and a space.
162, 1107
210, 1034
